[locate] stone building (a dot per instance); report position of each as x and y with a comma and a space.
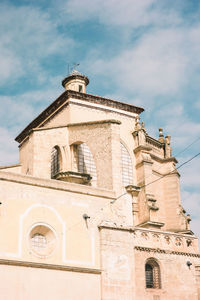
93, 210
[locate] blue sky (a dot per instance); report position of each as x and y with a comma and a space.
145, 52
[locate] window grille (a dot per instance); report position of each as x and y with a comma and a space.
152, 274
39, 241
55, 161
85, 161
149, 276
126, 166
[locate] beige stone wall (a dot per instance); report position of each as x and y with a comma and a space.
197, 275
30, 283
174, 219
35, 152
177, 279
26, 156
172, 252
27, 202
104, 143
117, 264
13, 168
42, 145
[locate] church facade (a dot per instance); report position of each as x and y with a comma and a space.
93, 210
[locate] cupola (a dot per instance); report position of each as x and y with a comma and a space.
76, 82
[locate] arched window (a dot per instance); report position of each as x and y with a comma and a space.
38, 241
126, 166
55, 161
152, 274
84, 160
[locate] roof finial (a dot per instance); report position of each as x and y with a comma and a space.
72, 67
161, 136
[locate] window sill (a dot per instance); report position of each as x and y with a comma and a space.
74, 177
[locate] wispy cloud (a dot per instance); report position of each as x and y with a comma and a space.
8, 148
28, 36
129, 13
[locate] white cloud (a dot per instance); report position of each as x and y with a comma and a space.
129, 13
8, 147
28, 35
198, 104
191, 202
15, 114
190, 173
160, 63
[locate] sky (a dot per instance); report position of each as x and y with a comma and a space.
144, 52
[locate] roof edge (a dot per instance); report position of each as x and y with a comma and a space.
80, 96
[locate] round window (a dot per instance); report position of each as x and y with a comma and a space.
42, 240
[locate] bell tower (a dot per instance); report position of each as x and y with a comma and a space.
76, 81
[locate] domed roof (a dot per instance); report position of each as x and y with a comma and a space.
75, 75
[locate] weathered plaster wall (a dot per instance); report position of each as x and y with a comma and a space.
31, 283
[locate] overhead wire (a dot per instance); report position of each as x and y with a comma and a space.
113, 201
176, 154
184, 163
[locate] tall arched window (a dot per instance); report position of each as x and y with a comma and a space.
55, 161
152, 274
85, 161
126, 166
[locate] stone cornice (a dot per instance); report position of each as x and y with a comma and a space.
110, 121
106, 102
177, 234
60, 103
112, 226
154, 142
10, 166
158, 250
49, 266
75, 76
95, 123
56, 185
163, 160
142, 148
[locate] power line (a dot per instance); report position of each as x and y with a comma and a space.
187, 147
113, 201
184, 163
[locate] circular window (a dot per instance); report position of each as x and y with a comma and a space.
42, 240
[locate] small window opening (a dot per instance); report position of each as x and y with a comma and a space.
84, 160
55, 161
39, 241
126, 166
80, 88
152, 275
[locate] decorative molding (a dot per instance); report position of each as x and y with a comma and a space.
142, 148
152, 224
49, 266
163, 160
75, 76
158, 250
154, 142
10, 166
99, 107
57, 185
74, 177
170, 233
133, 190
105, 225
112, 121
